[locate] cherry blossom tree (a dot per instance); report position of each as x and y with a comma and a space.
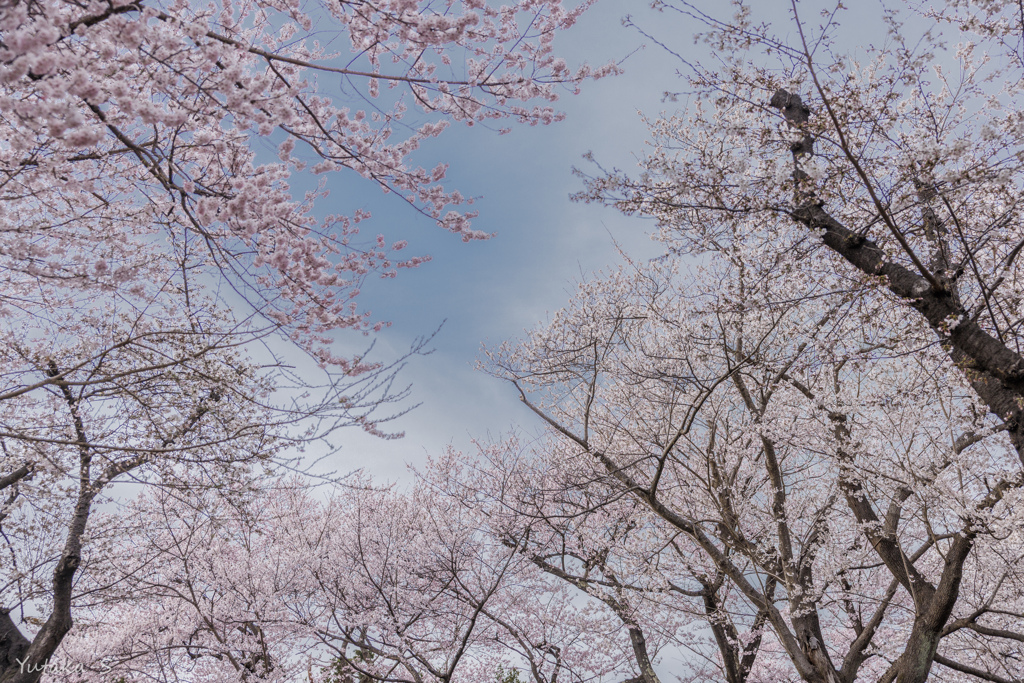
858, 511
574, 525
872, 193
791, 447
901, 158
163, 280
272, 581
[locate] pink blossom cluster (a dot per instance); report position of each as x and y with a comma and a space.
117, 113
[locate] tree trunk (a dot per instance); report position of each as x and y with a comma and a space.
916, 661
643, 660
13, 646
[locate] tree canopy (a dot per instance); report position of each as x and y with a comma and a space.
166, 275
788, 449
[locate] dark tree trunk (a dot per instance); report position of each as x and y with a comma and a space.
13, 645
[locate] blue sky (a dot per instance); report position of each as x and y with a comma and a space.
491, 291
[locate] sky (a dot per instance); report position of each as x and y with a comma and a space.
490, 291
487, 292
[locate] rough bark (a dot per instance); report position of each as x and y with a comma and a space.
643, 659
12, 643
17, 475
